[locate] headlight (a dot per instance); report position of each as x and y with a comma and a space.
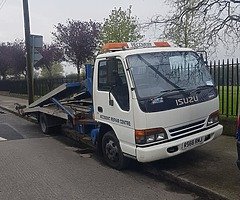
213, 118
150, 138
160, 136
150, 135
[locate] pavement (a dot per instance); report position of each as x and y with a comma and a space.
210, 170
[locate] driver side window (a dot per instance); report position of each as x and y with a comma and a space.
112, 78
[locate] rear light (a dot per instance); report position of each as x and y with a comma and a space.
150, 135
213, 118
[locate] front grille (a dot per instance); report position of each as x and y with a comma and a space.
186, 128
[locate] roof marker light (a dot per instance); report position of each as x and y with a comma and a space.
162, 44
114, 46
132, 45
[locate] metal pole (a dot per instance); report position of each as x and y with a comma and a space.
29, 52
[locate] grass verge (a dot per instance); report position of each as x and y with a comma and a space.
229, 125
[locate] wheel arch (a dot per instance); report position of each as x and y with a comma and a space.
104, 128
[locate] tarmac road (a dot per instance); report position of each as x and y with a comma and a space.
209, 170
36, 166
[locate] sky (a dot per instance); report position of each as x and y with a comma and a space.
44, 14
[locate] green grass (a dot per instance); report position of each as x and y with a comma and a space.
229, 125
228, 100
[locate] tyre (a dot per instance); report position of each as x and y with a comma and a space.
43, 123
46, 129
112, 153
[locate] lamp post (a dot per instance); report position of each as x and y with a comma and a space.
29, 53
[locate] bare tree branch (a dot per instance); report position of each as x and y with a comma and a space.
202, 22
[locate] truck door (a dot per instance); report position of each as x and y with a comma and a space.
112, 100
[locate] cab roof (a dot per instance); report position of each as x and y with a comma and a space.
127, 52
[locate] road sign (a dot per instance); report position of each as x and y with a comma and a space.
36, 42
36, 56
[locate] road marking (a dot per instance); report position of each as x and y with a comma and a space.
2, 139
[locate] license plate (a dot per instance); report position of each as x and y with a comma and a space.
193, 142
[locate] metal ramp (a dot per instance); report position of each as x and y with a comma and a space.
61, 92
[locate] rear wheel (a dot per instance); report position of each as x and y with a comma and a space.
44, 125
112, 152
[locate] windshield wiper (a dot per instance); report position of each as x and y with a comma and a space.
157, 71
204, 86
177, 89
164, 92
201, 87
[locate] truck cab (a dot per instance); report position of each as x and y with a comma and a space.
152, 101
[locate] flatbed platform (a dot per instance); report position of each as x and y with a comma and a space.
61, 92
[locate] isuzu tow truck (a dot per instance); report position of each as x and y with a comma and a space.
145, 101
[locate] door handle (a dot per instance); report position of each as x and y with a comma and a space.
100, 109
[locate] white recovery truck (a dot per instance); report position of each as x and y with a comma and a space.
145, 101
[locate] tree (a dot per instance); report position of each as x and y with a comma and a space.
78, 40
12, 59
51, 55
121, 26
56, 71
186, 31
5, 59
205, 21
18, 64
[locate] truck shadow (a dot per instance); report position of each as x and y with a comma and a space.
191, 158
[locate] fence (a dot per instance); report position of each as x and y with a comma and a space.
41, 86
226, 75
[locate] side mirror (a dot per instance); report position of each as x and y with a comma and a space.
203, 56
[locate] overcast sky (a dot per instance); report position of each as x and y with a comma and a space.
44, 14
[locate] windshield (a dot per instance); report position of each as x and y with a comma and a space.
159, 72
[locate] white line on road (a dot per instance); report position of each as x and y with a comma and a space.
2, 139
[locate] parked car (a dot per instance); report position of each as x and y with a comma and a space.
238, 138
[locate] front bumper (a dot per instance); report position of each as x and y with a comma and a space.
238, 150
160, 151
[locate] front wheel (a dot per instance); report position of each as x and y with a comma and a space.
112, 152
